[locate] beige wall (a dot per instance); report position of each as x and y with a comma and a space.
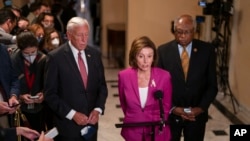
153, 18
240, 50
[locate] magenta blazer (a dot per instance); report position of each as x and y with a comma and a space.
130, 102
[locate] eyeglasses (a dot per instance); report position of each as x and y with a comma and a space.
185, 32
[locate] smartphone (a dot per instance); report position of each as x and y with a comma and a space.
34, 97
52, 133
14, 105
187, 110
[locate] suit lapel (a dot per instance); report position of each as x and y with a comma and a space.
89, 62
134, 84
193, 58
151, 87
69, 57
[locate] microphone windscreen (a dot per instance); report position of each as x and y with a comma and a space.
158, 94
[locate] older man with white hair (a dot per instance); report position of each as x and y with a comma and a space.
75, 86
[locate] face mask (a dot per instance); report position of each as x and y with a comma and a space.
47, 25
30, 57
8, 3
39, 39
55, 42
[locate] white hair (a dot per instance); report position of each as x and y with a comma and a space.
76, 21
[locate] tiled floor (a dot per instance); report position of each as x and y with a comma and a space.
217, 127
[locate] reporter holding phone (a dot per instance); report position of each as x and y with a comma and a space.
29, 63
9, 87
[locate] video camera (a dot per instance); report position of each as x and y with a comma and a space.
217, 7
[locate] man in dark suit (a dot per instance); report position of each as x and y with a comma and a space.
9, 87
195, 87
77, 102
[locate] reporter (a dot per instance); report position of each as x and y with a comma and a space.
29, 64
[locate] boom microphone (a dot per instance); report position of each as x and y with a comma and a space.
159, 95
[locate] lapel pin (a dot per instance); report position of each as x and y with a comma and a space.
195, 50
153, 83
89, 55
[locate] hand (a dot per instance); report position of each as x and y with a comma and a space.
43, 138
93, 117
40, 99
27, 133
196, 111
179, 111
26, 98
80, 119
13, 101
4, 108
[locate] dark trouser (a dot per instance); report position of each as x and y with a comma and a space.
36, 121
192, 130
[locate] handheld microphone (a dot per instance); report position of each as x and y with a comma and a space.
159, 95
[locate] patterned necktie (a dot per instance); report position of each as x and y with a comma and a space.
82, 68
185, 61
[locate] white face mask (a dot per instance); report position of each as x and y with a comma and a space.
31, 58
55, 42
47, 25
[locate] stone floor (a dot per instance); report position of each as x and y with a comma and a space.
217, 127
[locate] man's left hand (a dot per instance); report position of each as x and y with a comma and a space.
196, 111
93, 117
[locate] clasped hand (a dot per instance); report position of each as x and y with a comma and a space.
82, 119
195, 111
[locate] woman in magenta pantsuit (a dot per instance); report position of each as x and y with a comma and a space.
137, 86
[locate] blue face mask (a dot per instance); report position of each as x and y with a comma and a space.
39, 39
8, 3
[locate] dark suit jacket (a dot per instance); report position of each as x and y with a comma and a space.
64, 89
8, 78
200, 88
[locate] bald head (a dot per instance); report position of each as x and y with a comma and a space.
184, 28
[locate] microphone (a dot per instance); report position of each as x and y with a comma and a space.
159, 95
